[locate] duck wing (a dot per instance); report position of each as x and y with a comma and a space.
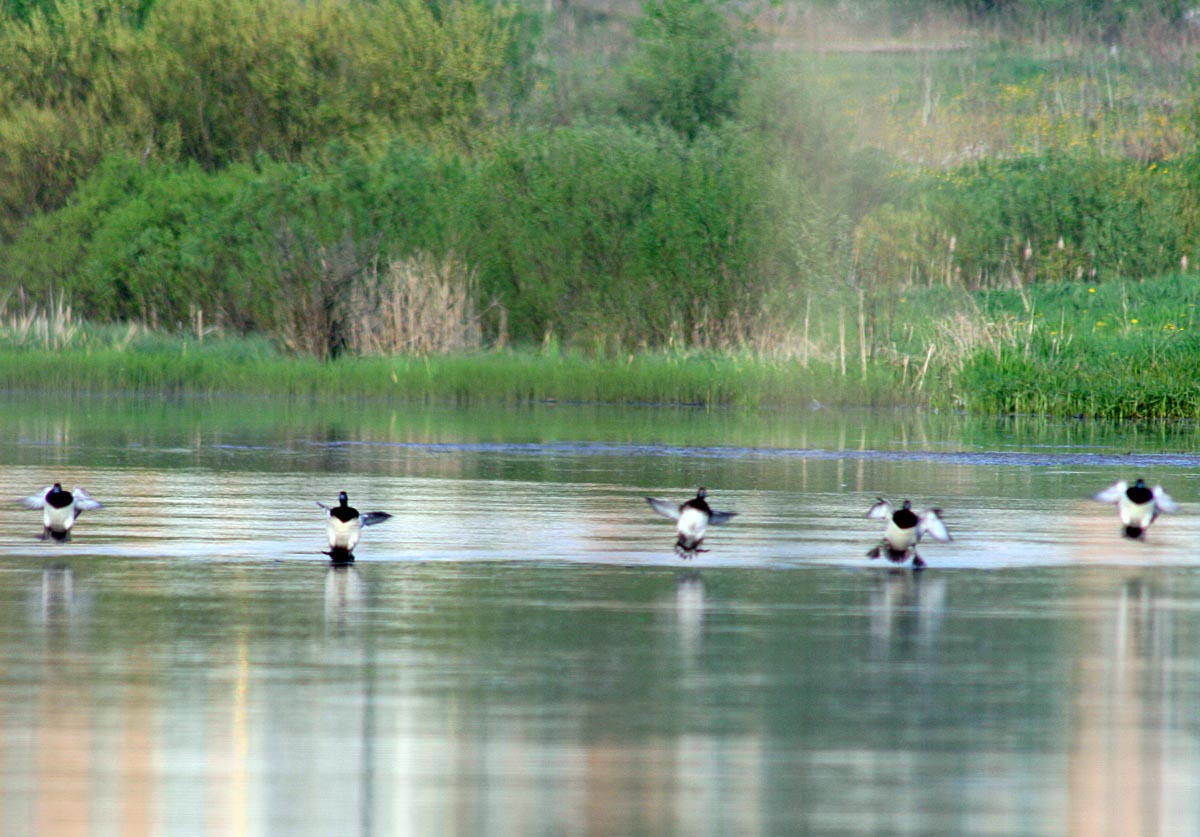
1113, 493
1163, 501
37, 501
371, 518
930, 523
882, 509
664, 507
718, 517
84, 501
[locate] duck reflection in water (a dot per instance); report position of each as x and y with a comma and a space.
345, 596
689, 605
906, 608
56, 607
57, 592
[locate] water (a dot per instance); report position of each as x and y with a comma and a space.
518, 651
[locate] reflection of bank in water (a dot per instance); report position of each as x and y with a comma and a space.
1130, 769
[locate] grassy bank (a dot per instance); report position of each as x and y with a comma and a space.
494, 377
1122, 350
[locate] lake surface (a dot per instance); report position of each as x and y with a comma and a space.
519, 651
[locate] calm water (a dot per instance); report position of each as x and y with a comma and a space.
518, 651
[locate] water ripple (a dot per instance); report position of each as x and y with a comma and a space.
985, 457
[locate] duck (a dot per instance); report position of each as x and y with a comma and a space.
345, 527
1137, 505
693, 517
905, 528
60, 509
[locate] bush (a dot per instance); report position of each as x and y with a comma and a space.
224, 81
603, 236
687, 68
623, 236
1040, 218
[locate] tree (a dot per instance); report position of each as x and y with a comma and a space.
687, 67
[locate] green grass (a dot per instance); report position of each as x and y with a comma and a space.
1123, 350
1120, 350
993, 98
495, 377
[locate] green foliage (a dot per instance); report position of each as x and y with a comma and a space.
219, 81
687, 66
155, 243
672, 244
622, 236
23, 10
252, 166
221, 367
1043, 218
1123, 350
234, 79
64, 101
1098, 19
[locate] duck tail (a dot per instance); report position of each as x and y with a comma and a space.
884, 550
340, 555
1136, 533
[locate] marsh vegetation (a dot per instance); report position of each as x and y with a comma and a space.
942, 202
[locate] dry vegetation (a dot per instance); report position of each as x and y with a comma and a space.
419, 305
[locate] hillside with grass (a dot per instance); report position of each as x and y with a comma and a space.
985, 206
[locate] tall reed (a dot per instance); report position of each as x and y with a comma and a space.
422, 304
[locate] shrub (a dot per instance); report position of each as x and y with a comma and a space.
687, 68
618, 234
155, 243
224, 81
1038, 218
